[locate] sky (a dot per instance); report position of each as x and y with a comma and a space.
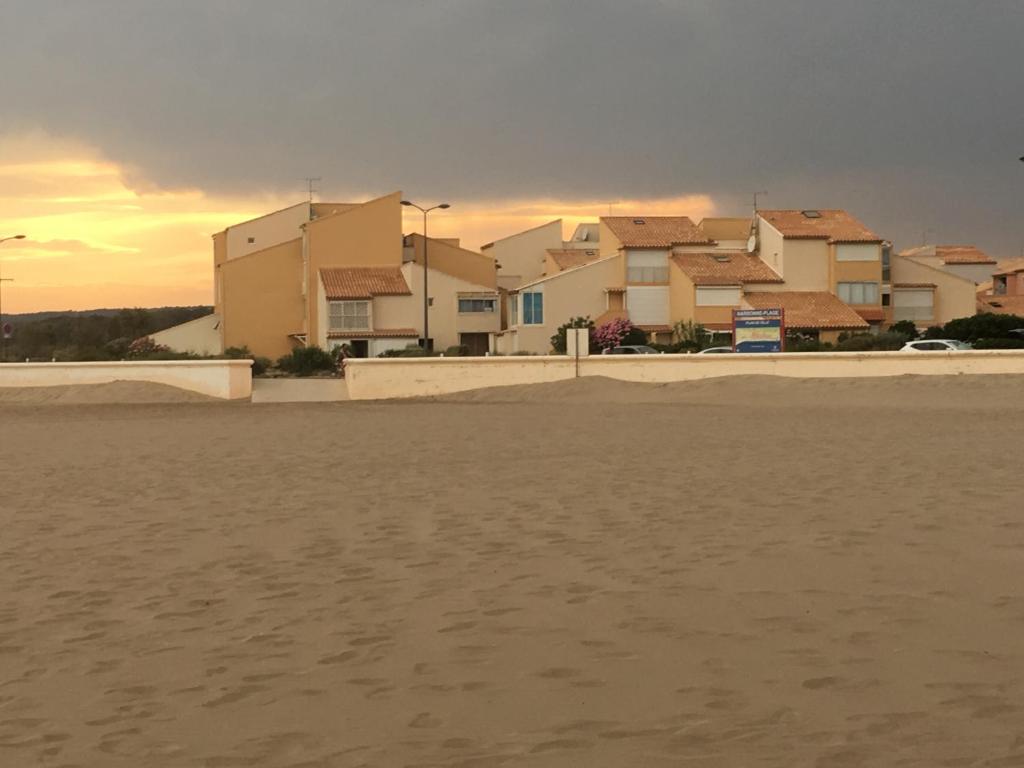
131, 131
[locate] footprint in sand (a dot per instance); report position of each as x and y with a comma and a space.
425, 720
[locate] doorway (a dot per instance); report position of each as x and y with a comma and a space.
360, 348
478, 344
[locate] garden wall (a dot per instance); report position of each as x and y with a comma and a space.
370, 379
226, 379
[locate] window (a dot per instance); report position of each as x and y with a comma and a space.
349, 316
533, 308
719, 297
858, 293
857, 252
477, 305
647, 267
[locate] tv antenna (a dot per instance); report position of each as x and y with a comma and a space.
311, 184
762, 192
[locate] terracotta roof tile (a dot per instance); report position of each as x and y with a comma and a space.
724, 268
363, 282
808, 309
962, 254
913, 285
870, 313
836, 226
380, 333
1009, 267
654, 231
567, 258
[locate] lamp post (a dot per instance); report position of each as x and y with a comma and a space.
3, 336
426, 300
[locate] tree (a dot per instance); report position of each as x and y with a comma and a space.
689, 335
558, 341
906, 327
985, 326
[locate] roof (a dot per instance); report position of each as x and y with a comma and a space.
962, 254
1009, 267
737, 228
654, 231
871, 313
569, 271
1001, 305
808, 309
380, 333
914, 285
567, 258
724, 268
363, 282
531, 229
836, 226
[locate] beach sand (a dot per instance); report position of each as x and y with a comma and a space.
725, 573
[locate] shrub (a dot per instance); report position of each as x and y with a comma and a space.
986, 326
145, 348
999, 344
305, 361
616, 333
934, 332
413, 350
906, 327
867, 342
238, 353
689, 336
559, 342
260, 365
460, 350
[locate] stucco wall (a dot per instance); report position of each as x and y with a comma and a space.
954, 295
445, 321
200, 336
266, 231
367, 235
220, 253
573, 293
225, 379
263, 300
458, 262
415, 377
521, 256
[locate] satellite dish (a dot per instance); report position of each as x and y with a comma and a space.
751, 243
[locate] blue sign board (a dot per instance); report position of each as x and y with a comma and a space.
758, 330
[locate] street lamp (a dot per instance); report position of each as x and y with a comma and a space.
426, 301
3, 336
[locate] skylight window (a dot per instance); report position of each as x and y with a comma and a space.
811, 214
639, 221
722, 259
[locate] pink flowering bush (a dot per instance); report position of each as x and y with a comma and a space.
616, 332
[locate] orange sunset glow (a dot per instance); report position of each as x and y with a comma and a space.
98, 235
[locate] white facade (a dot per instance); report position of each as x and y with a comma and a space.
719, 296
200, 336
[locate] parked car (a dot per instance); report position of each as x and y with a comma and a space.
634, 349
935, 345
716, 351
1017, 333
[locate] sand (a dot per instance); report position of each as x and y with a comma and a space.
562, 576
116, 392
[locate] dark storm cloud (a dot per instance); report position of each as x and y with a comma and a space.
909, 113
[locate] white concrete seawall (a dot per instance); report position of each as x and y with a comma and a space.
226, 379
372, 379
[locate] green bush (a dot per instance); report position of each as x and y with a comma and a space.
867, 342
999, 344
906, 327
934, 332
460, 350
305, 361
985, 326
559, 342
259, 364
413, 350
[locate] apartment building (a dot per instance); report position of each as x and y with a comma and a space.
967, 261
1004, 294
524, 256
333, 273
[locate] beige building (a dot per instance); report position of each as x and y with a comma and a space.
966, 261
271, 294
1004, 294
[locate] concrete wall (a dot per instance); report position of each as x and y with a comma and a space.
954, 295
263, 301
414, 377
266, 231
520, 257
225, 379
200, 336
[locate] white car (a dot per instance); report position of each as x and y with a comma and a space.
935, 345
716, 351
631, 349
